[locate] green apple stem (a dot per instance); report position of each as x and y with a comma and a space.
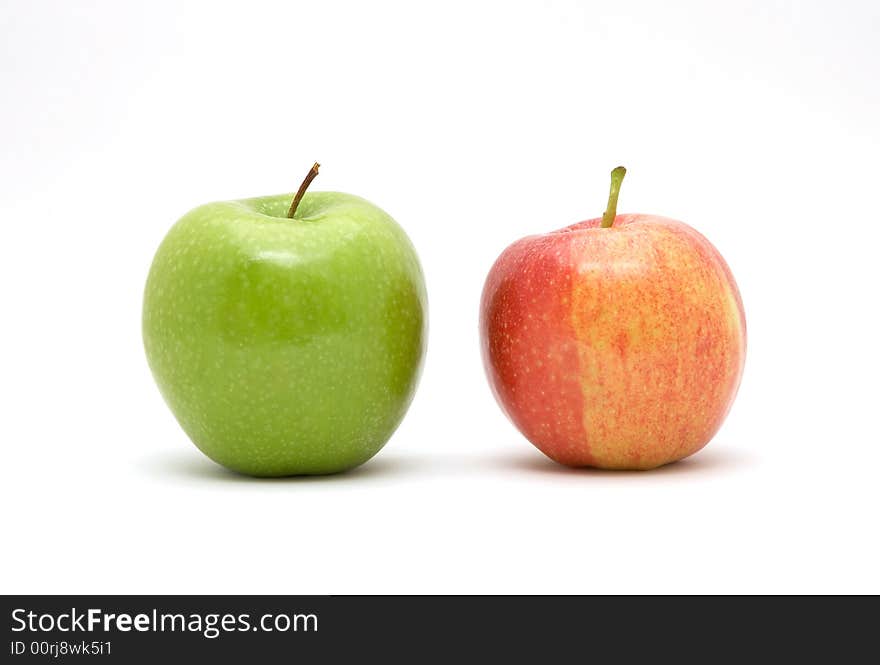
611, 211
302, 189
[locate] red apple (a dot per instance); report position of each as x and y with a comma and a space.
618, 342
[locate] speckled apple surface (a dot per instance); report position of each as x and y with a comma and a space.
286, 346
617, 347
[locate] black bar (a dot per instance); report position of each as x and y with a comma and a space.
416, 628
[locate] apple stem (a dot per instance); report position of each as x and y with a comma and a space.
302, 189
611, 211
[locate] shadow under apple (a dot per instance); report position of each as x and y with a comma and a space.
389, 466
710, 460
194, 467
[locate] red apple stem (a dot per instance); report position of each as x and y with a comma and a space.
611, 211
302, 189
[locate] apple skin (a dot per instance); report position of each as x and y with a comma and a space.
286, 346
617, 348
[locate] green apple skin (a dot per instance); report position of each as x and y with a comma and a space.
286, 346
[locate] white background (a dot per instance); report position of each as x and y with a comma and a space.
473, 124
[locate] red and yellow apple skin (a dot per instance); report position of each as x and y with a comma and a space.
618, 348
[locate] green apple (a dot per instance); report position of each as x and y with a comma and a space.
287, 338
